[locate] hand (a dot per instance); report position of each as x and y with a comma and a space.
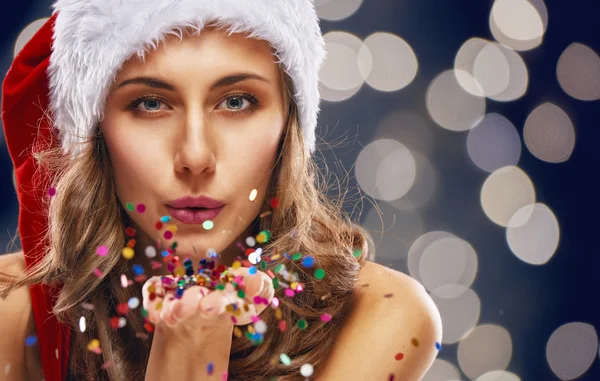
200, 308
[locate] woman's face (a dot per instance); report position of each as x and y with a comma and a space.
200, 117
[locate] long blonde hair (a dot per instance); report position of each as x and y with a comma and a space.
85, 213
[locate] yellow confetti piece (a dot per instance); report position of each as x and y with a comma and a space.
236, 264
237, 332
172, 228
93, 345
278, 314
261, 238
128, 252
179, 271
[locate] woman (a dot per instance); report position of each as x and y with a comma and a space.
138, 105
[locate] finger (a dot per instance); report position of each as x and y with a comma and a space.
253, 284
187, 306
214, 303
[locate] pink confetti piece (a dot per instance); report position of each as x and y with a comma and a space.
102, 251
325, 317
98, 273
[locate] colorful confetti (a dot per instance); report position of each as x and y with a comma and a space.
30, 340
52, 191
319, 273
208, 225
285, 359
253, 194
102, 251
306, 370
127, 252
399, 356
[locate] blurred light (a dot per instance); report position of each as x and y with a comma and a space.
519, 24
341, 75
485, 68
459, 314
451, 106
407, 127
499, 375
394, 64
392, 231
463, 65
494, 143
26, 34
491, 70
486, 348
418, 248
335, 10
385, 169
442, 370
423, 188
448, 261
549, 134
533, 234
571, 350
578, 72
504, 192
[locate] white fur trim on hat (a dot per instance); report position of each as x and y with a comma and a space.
93, 38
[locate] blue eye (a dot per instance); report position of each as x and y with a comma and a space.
234, 104
152, 105
240, 103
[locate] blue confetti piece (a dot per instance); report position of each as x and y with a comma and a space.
438, 346
308, 261
287, 255
252, 270
165, 219
210, 369
30, 340
137, 269
165, 253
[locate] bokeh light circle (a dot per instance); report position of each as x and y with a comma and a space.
451, 106
572, 349
394, 63
385, 169
549, 134
486, 348
494, 143
533, 234
578, 72
504, 192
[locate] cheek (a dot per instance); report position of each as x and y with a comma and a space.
254, 156
134, 162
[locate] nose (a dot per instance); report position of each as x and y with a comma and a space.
196, 148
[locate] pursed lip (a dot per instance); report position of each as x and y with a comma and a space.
194, 216
195, 202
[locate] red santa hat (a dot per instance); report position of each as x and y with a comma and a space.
61, 77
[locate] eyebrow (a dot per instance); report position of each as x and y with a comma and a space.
221, 82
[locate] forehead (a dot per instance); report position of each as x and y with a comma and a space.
211, 51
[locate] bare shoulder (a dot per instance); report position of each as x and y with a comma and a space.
381, 287
15, 314
394, 327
